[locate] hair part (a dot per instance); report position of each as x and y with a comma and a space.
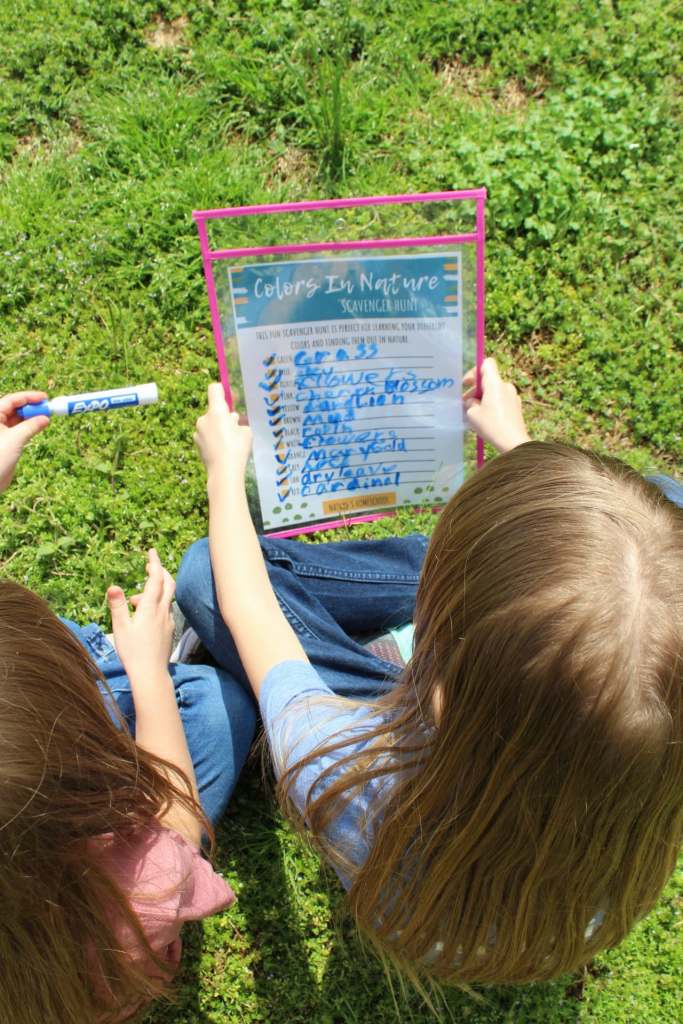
537, 816
68, 774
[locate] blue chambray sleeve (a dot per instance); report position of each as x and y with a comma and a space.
300, 713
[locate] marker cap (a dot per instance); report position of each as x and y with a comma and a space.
147, 393
28, 412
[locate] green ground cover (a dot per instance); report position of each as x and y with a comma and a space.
119, 118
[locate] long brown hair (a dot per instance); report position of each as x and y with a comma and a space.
68, 774
535, 741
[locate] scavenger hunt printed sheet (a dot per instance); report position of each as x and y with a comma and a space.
352, 373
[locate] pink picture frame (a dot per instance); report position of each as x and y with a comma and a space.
210, 256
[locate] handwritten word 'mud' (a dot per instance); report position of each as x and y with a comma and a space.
330, 418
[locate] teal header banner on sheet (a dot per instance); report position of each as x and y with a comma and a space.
306, 291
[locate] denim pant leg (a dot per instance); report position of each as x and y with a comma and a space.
218, 716
672, 489
329, 593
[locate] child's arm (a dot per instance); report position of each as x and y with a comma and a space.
248, 605
15, 433
497, 414
143, 643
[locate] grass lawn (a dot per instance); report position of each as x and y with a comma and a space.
119, 118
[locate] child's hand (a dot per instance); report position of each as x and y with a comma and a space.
15, 433
222, 442
143, 640
497, 415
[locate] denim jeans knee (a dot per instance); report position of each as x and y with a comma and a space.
194, 577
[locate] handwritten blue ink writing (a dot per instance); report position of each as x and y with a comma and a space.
332, 387
362, 350
343, 398
326, 377
339, 458
319, 435
349, 479
395, 381
329, 418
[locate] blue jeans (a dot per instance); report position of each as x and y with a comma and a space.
219, 718
330, 593
327, 591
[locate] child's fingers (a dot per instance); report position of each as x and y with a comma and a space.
473, 415
216, 396
153, 558
10, 403
118, 606
155, 576
163, 583
167, 591
168, 588
26, 429
470, 378
490, 374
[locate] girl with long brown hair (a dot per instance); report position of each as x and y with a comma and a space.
100, 833
511, 801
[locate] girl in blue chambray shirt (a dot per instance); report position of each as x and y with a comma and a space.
508, 803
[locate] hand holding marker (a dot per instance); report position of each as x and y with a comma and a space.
91, 401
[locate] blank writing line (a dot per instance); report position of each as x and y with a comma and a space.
390, 416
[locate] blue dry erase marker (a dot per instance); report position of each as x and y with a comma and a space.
91, 401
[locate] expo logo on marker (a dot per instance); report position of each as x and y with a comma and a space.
101, 404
